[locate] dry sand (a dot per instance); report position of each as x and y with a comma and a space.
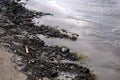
7, 67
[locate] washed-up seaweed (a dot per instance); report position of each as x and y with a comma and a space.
37, 59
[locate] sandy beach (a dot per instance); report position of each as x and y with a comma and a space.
7, 67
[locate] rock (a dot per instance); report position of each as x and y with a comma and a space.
64, 49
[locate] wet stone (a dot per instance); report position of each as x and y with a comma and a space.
64, 49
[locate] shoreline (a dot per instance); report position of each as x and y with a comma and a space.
37, 59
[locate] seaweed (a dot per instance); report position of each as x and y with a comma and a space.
38, 60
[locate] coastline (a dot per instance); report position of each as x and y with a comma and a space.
38, 60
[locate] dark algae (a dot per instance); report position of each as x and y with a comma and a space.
38, 60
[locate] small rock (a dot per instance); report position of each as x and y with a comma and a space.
65, 50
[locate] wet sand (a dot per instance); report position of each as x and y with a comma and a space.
97, 23
37, 59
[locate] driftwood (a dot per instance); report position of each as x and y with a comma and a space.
26, 49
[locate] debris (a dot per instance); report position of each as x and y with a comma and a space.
26, 49
42, 62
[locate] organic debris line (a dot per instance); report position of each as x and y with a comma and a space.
36, 58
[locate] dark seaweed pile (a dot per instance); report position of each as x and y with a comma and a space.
38, 60
20, 18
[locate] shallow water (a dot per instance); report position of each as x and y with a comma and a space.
98, 24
